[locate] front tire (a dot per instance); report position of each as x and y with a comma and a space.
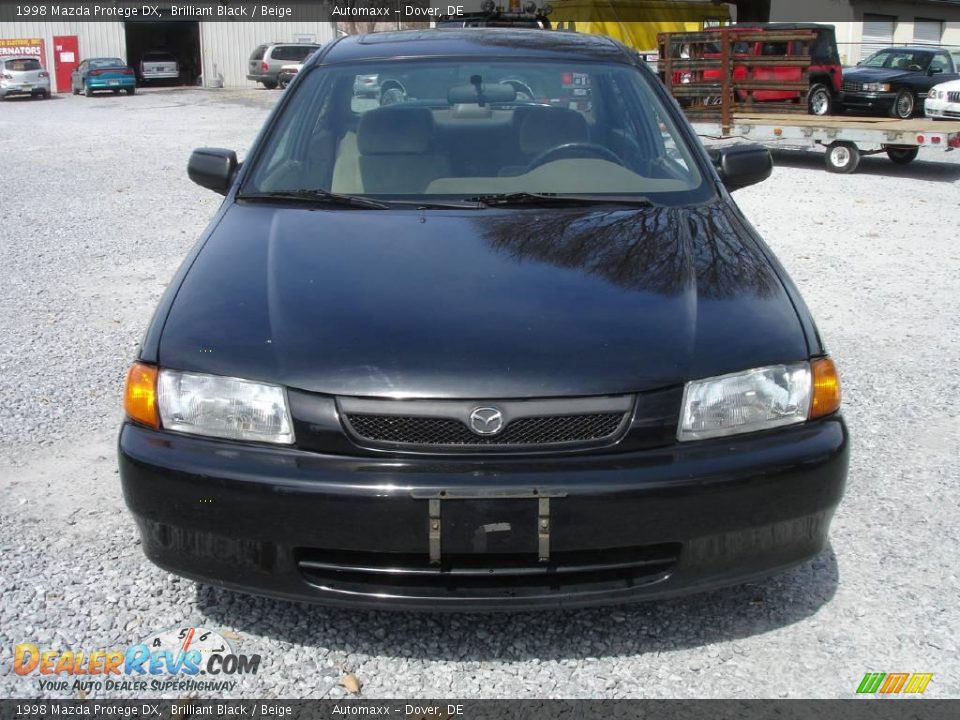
843, 158
87, 90
904, 105
902, 155
820, 100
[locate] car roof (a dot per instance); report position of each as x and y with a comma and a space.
474, 42
914, 48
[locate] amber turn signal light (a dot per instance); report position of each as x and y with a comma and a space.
826, 388
140, 395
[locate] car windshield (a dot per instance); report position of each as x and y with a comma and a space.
463, 129
899, 60
106, 62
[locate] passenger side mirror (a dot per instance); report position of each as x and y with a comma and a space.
742, 165
935, 70
213, 168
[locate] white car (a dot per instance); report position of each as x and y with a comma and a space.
943, 100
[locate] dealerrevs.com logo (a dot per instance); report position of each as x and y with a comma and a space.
168, 660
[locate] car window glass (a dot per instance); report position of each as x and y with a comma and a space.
463, 128
941, 62
23, 64
774, 48
106, 62
258, 52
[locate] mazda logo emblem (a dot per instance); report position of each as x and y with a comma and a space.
486, 421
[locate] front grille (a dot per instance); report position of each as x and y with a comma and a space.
852, 87
438, 431
953, 97
486, 575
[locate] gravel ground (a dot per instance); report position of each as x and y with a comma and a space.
99, 215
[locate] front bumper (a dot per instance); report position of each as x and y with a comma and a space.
357, 531
941, 109
870, 102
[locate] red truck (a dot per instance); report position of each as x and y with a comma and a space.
825, 72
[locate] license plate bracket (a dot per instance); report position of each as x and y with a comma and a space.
464, 525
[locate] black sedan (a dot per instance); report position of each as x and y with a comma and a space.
481, 352
895, 81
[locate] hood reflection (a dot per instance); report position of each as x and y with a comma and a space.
660, 250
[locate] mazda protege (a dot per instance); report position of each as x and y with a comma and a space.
499, 338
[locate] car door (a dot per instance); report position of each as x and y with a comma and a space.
942, 69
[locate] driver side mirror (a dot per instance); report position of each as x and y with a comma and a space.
213, 168
742, 165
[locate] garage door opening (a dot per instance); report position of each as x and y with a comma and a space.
161, 41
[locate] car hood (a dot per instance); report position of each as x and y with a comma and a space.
493, 303
865, 74
949, 86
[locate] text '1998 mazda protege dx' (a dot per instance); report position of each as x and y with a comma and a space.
496, 339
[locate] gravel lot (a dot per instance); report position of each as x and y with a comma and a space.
97, 213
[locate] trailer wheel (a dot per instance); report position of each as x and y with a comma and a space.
902, 155
843, 157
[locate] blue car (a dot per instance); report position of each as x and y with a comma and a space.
96, 74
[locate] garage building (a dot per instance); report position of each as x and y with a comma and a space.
212, 53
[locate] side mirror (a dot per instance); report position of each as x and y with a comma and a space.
742, 165
935, 70
213, 168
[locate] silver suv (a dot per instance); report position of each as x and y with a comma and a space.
267, 60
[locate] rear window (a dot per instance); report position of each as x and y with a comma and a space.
258, 52
159, 57
106, 62
21, 64
292, 52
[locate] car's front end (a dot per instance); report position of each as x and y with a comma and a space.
871, 97
943, 101
406, 390
23, 76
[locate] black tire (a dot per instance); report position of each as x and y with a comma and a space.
269, 85
131, 91
904, 106
902, 155
87, 90
843, 157
819, 100
115, 91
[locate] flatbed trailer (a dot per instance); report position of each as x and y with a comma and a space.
846, 139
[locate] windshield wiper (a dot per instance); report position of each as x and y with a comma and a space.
318, 195
533, 198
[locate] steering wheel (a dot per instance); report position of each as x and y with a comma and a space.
572, 150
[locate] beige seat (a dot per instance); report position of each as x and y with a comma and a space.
395, 146
542, 128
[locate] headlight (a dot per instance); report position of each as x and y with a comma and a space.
223, 407
758, 399
934, 94
876, 87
